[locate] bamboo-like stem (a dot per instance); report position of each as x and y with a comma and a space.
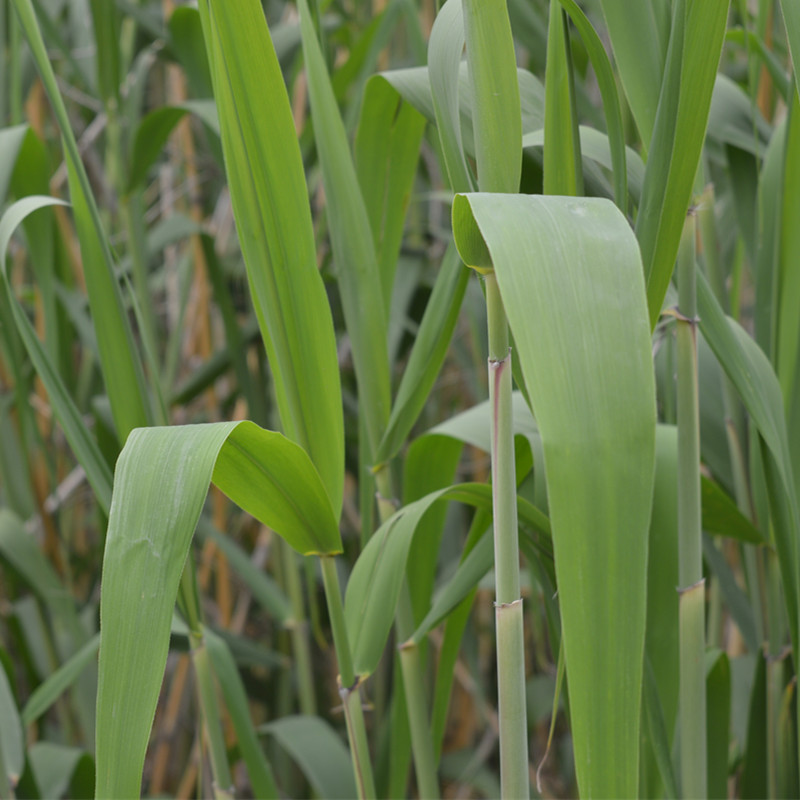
298, 627
206, 688
691, 583
411, 666
348, 682
514, 779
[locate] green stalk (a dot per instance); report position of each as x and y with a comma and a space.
410, 665
348, 682
298, 627
206, 687
497, 128
690, 571
508, 606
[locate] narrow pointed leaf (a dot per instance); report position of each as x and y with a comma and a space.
83, 445
571, 281
273, 218
353, 248
445, 50
119, 360
680, 127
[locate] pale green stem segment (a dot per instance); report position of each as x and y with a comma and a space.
514, 780
348, 683
497, 127
690, 571
421, 740
206, 688
298, 628
411, 666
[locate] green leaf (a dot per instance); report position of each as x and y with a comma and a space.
353, 248
122, 369
11, 140
46, 694
755, 381
236, 703
161, 482
430, 348
571, 281
386, 154
374, 585
445, 49
562, 157
61, 771
83, 445
319, 753
718, 694
496, 116
608, 91
694, 52
639, 33
273, 219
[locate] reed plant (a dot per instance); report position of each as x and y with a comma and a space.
268, 525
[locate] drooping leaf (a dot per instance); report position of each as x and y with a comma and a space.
569, 274
161, 482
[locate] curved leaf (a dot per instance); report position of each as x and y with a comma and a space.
570, 276
161, 482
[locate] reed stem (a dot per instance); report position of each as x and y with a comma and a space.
348, 682
690, 570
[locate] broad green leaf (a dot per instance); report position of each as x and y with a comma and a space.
319, 753
386, 153
273, 219
680, 126
496, 119
562, 157
161, 482
81, 442
445, 49
119, 360
571, 281
354, 256
639, 36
